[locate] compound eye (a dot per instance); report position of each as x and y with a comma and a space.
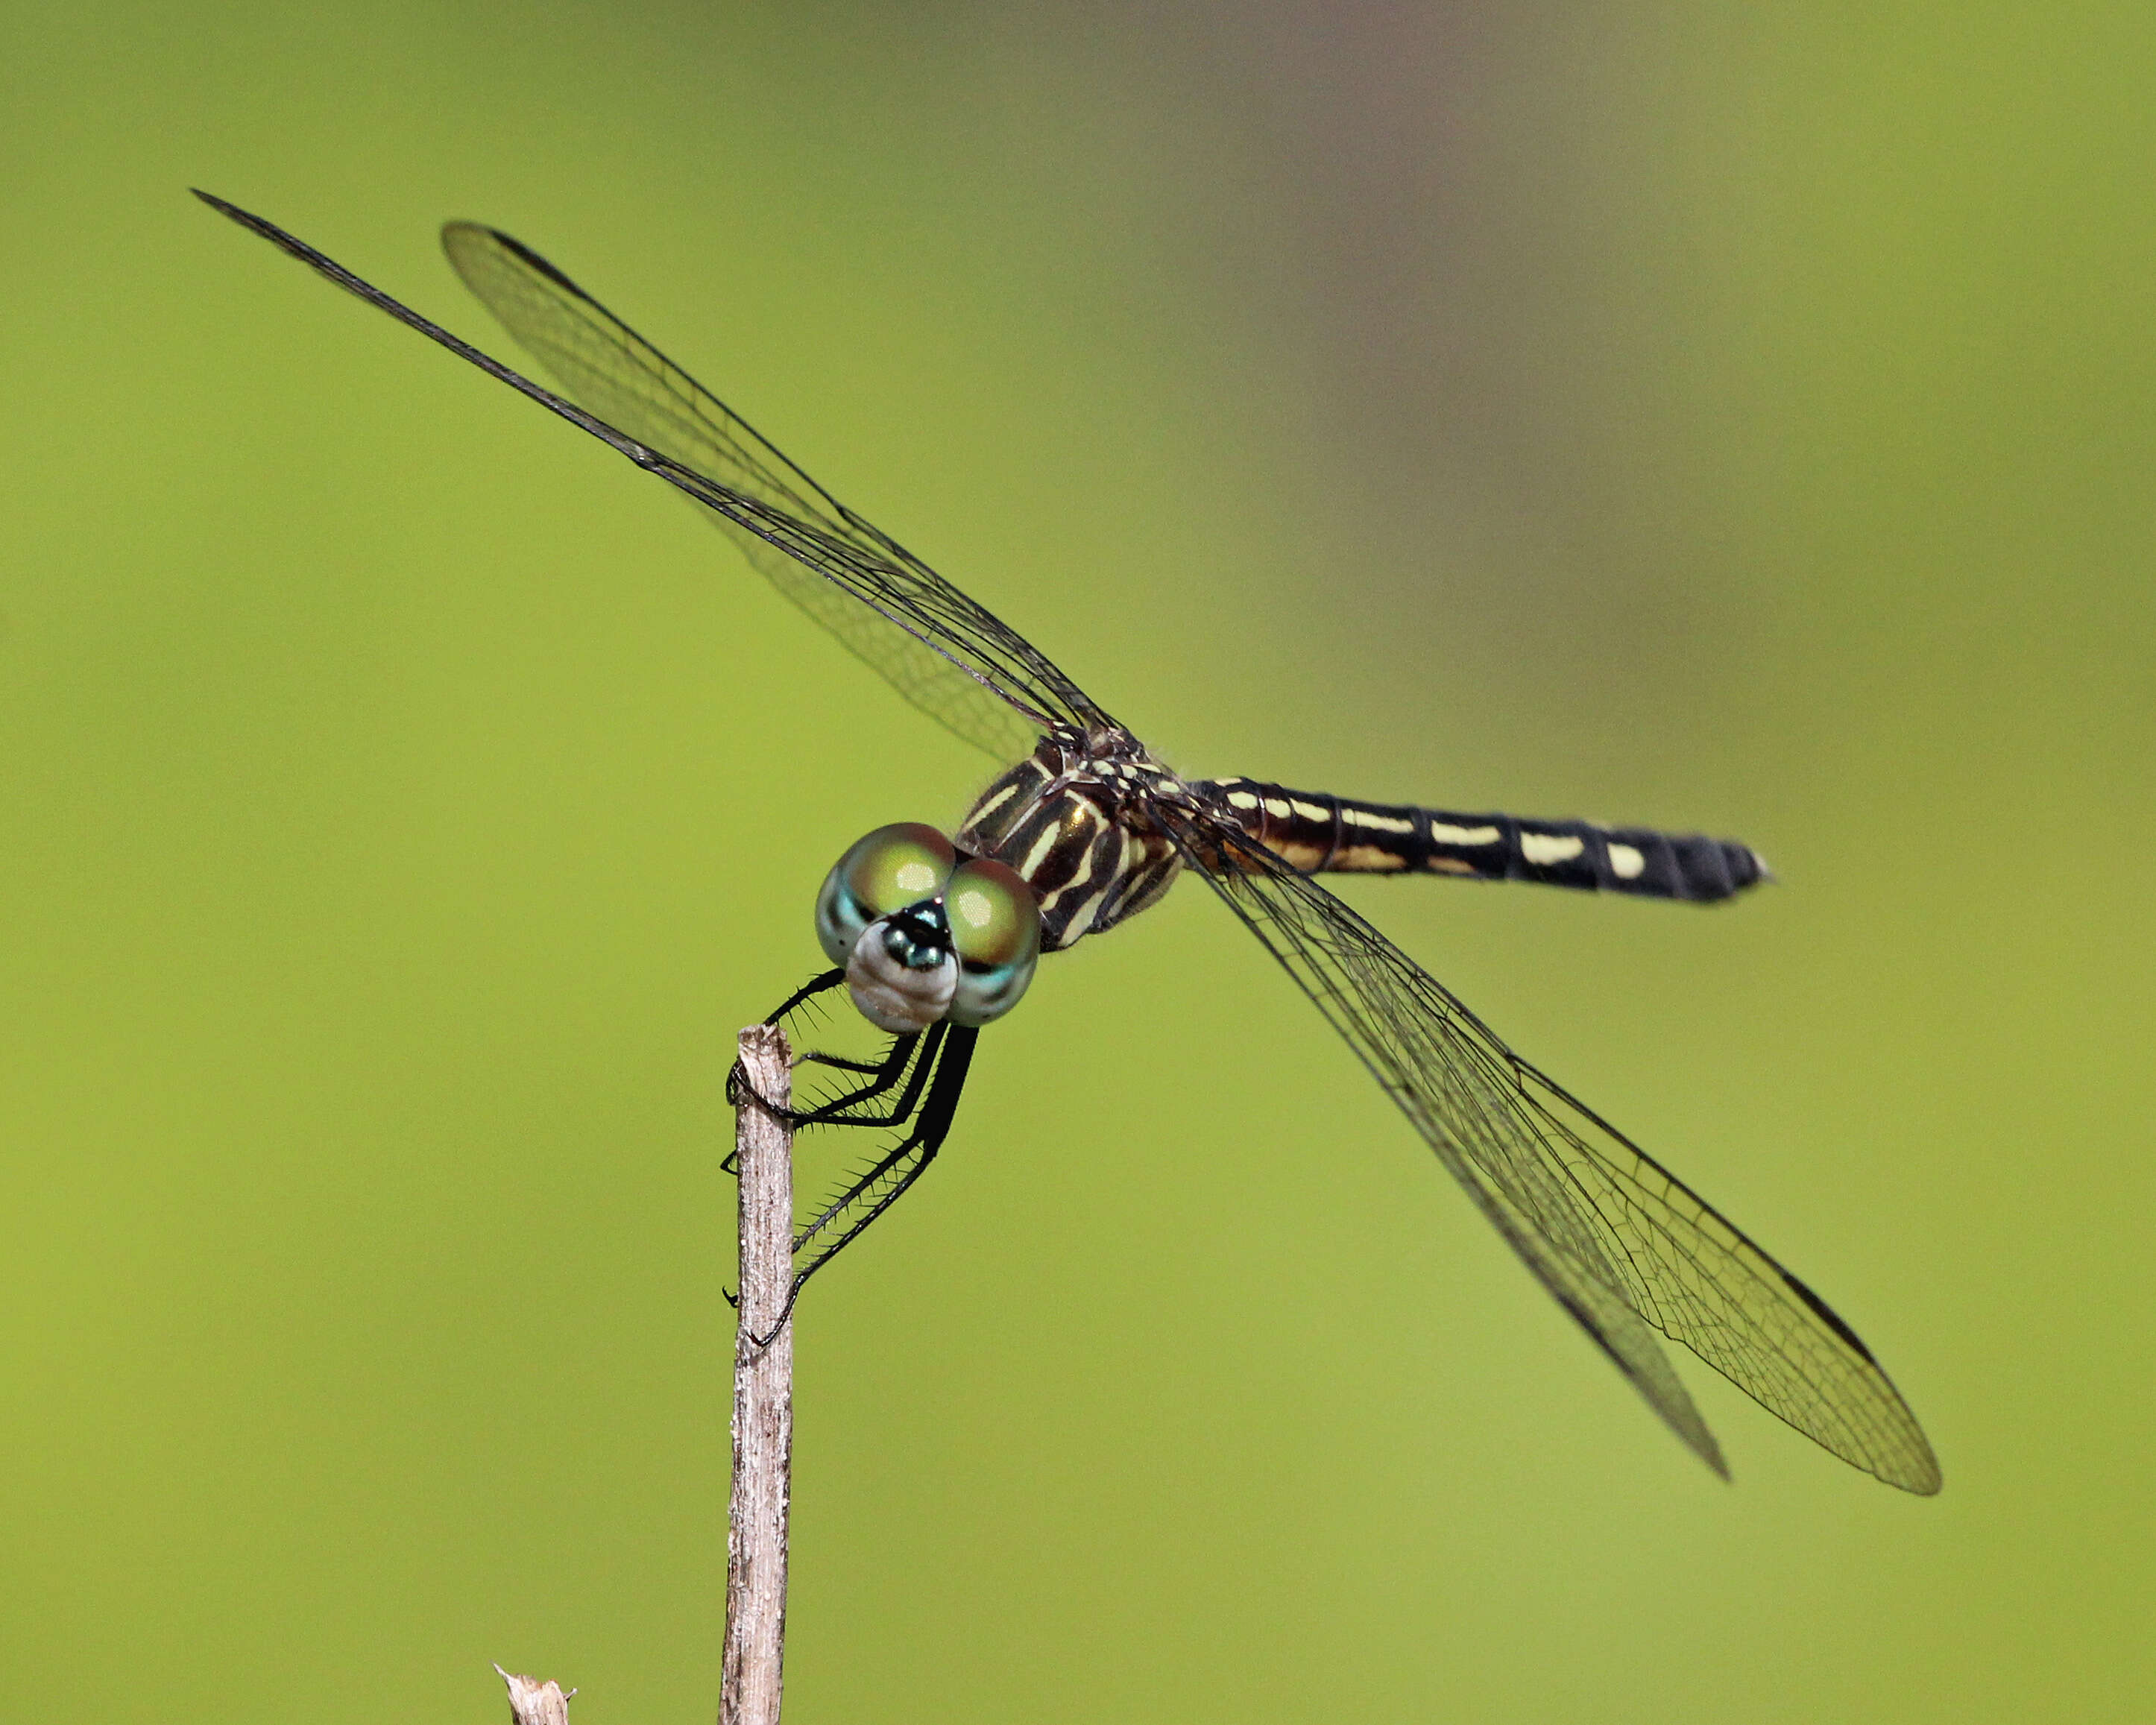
995, 928
894, 867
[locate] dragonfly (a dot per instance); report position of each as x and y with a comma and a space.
933, 936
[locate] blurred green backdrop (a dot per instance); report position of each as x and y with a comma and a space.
1648, 411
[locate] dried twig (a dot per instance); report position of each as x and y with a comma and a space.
763, 1390
533, 1702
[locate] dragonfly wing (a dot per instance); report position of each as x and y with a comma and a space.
849, 577
951, 657
1621, 1241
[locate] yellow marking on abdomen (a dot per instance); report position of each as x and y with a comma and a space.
1376, 822
1445, 834
1370, 860
1626, 863
1543, 848
1308, 858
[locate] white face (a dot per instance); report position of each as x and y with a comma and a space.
890, 988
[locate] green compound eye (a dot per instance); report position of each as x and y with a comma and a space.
894, 867
995, 927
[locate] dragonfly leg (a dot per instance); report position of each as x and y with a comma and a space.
837, 1063
822, 983
894, 1172
738, 1086
883, 1075
899, 1063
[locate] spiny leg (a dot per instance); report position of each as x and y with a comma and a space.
909, 1058
932, 1048
822, 983
737, 1083
901, 1166
883, 1073
930, 1128
899, 1062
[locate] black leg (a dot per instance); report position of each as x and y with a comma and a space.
809, 990
899, 1062
883, 1074
886, 1069
931, 1047
737, 1080
837, 1063
897, 1170
913, 1155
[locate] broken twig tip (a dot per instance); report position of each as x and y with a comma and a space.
533, 1702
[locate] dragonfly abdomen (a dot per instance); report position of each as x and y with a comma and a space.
1321, 833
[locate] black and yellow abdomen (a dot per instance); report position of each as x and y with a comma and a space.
1321, 833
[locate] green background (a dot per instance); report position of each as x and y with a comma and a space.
1628, 411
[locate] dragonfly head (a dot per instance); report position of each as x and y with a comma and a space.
925, 932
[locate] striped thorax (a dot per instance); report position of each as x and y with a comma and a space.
1071, 820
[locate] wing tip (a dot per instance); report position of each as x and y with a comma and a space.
460, 239
1918, 1474
1692, 1432
233, 212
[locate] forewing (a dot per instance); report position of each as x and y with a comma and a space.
852, 579
1621, 1242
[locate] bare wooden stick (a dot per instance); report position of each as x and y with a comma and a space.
752, 1676
533, 1702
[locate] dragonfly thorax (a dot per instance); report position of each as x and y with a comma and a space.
1071, 819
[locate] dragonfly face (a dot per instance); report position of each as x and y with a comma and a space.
925, 934
935, 937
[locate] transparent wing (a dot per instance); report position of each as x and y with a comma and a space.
1621, 1242
852, 578
952, 658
